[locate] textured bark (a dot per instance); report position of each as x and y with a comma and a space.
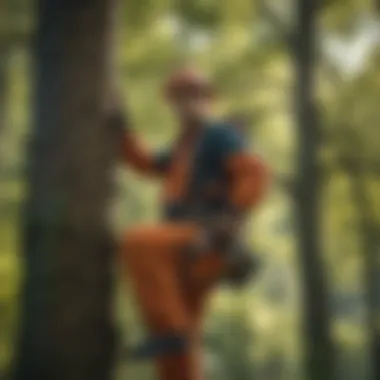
3, 93
66, 326
318, 346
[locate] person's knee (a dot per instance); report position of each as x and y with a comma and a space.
136, 237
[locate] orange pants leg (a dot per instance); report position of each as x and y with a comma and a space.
189, 364
152, 255
168, 301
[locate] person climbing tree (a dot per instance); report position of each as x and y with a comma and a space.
210, 182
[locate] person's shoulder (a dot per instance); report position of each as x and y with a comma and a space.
223, 136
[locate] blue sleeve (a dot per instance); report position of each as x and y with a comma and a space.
228, 141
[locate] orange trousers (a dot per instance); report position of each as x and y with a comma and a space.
172, 293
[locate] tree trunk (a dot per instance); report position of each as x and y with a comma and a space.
318, 343
66, 327
369, 234
3, 98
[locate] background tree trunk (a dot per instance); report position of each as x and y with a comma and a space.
3, 88
66, 329
369, 234
317, 345
4, 93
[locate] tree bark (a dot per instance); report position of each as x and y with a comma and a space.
3, 97
318, 346
66, 326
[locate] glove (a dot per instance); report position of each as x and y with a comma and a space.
118, 119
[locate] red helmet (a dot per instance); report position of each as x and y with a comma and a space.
188, 81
